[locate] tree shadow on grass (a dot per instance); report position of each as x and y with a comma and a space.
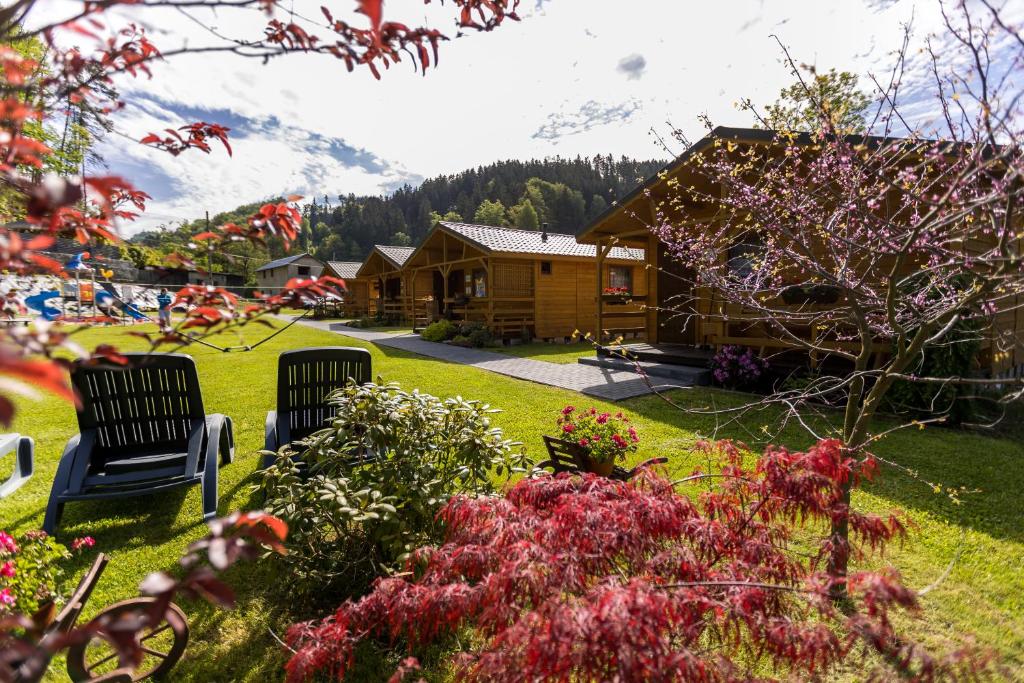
987, 467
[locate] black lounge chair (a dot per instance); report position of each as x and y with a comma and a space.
142, 429
305, 378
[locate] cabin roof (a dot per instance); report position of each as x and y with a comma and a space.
277, 263
345, 269
748, 135
495, 240
396, 255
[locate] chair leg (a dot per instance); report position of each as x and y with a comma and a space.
210, 490
270, 440
61, 481
54, 512
227, 442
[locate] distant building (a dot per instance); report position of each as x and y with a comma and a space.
277, 273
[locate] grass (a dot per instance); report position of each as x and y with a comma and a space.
552, 353
981, 600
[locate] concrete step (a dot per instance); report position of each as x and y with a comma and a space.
681, 374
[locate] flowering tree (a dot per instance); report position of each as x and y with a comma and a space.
869, 252
89, 208
579, 577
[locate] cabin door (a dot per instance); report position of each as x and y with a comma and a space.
438, 291
675, 290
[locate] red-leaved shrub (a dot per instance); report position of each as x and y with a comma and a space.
575, 577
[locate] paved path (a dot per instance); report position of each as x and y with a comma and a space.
613, 385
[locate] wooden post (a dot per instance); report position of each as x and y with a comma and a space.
489, 285
651, 266
412, 290
600, 291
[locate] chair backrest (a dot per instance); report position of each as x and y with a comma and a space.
306, 377
565, 456
151, 403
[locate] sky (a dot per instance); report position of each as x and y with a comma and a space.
574, 77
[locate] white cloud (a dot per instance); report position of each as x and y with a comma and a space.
549, 84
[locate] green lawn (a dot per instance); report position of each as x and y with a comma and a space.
982, 599
552, 353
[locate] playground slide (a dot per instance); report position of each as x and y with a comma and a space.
131, 310
38, 303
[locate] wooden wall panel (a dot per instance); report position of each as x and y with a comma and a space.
586, 298
556, 300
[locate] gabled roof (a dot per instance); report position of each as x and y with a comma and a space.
740, 135
345, 269
396, 255
495, 240
393, 256
277, 263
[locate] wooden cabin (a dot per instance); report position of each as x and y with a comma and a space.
709, 323
357, 292
384, 281
276, 274
544, 284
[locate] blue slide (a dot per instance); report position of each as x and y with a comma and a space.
131, 310
38, 303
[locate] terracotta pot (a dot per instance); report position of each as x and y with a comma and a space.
602, 468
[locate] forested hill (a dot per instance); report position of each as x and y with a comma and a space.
565, 193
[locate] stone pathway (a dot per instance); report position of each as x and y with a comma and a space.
612, 385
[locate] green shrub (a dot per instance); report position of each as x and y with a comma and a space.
955, 355
439, 331
461, 340
477, 334
352, 517
362, 323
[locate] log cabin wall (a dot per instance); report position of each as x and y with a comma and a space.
518, 281
627, 223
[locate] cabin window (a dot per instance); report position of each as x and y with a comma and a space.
545, 267
512, 280
744, 254
621, 278
303, 270
480, 283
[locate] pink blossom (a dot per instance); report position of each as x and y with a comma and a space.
619, 441
633, 435
568, 409
569, 428
7, 543
84, 542
6, 597
602, 418
584, 442
7, 569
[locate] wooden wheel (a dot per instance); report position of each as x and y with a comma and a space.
162, 646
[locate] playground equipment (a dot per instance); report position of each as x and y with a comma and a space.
37, 303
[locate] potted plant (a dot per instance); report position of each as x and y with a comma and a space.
602, 438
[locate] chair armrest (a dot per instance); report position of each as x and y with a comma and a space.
215, 426
270, 432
